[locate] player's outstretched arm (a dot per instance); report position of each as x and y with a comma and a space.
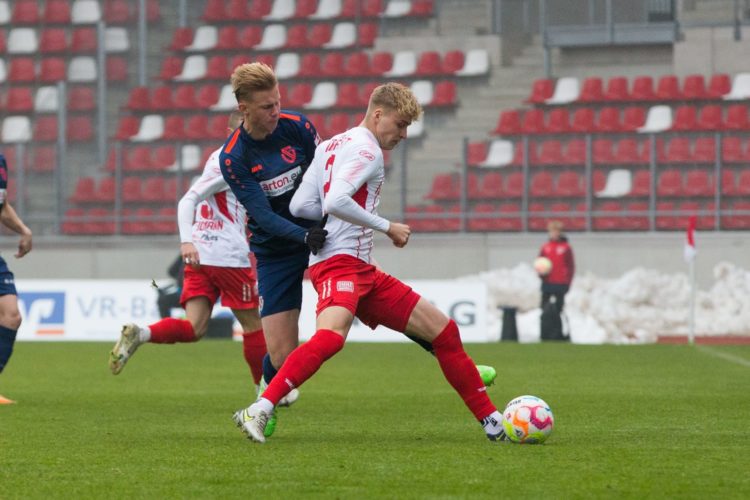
12, 221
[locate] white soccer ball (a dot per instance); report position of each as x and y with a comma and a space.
542, 265
528, 420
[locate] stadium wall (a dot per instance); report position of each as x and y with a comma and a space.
427, 256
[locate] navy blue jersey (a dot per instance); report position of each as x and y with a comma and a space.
261, 175
3, 181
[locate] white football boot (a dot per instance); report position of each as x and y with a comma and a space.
125, 347
252, 420
290, 398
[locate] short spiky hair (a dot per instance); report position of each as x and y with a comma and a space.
396, 97
252, 77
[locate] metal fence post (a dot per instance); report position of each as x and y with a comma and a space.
62, 152
142, 47
652, 184
118, 188
101, 93
464, 183
717, 182
525, 192
588, 180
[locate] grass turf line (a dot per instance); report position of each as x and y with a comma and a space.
376, 421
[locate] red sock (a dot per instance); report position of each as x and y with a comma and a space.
303, 362
171, 330
254, 348
461, 372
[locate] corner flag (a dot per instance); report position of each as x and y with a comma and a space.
690, 250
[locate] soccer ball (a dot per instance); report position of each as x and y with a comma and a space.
528, 420
542, 265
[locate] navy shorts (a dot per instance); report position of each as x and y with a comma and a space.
280, 281
7, 280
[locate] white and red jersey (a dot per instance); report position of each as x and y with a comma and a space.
344, 181
210, 217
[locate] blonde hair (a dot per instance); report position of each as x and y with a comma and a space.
396, 97
252, 77
235, 118
556, 225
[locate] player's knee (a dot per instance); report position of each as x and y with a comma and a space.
448, 338
10, 319
199, 329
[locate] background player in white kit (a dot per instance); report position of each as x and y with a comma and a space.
215, 250
344, 182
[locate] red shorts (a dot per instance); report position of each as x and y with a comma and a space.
236, 286
376, 298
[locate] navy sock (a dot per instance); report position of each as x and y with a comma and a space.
269, 372
7, 339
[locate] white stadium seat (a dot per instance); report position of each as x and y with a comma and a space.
324, 96
194, 69
85, 12
4, 12
327, 9
423, 91
500, 154
416, 129
619, 183
16, 129
397, 8
191, 159
274, 37
46, 99
566, 90
344, 35
477, 63
3, 71
227, 101
82, 69
22, 41
205, 38
116, 40
281, 10
740, 87
658, 119
404, 64
152, 128
287, 65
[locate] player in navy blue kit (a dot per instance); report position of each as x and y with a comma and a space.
261, 161
10, 317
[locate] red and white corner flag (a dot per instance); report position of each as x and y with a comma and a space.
690, 250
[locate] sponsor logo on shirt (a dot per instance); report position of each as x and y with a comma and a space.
345, 286
289, 154
256, 168
280, 184
367, 154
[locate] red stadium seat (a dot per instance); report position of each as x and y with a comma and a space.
217, 128
609, 120
161, 98
259, 9
184, 97
81, 99
536, 221
227, 38
166, 221
542, 185
45, 128
305, 8
617, 89
196, 127
337, 123
19, 100
613, 218
743, 183
3, 43
174, 128
132, 189
214, 11
482, 219
732, 150
25, 12
428, 64
583, 120
737, 117
569, 184
22, 70
445, 94
559, 121
541, 90
83, 40
300, 95
476, 153
514, 185
381, 63
633, 117
678, 151
598, 180
669, 183
575, 152
737, 221
170, 67
704, 150
710, 118
719, 85
728, 183
181, 38
643, 89
127, 127
80, 129
444, 187
357, 65
685, 118
45, 159
319, 35
668, 88
296, 36
366, 34
637, 219
117, 69
137, 159
153, 190
164, 156
699, 183
421, 8
533, 122
452, 61
217, 68
491, 187
250, 36
84, 190
667, 219
53, 40
550, 153
592, 90
509, 217
509, 123
627, 152
371, 8
603, 152
310, 65
117, 12
52, 70
57, 12
105, 191
641, 183
694, 87
207, 96
704, 220
332, 65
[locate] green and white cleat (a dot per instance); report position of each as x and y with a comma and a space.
125, 347
290, 398
253, 422
488, 374
271, 424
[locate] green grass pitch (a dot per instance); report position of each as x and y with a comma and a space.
377, 420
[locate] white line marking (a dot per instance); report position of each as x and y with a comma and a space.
723, 355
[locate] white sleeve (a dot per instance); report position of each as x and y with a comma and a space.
349, 177
306, 201
207, 184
